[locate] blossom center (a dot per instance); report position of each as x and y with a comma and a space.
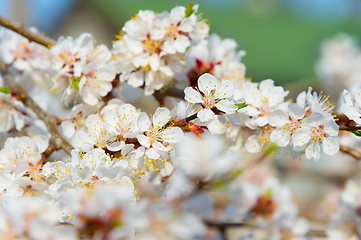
318, 133
264, 207
172, 31
152, 46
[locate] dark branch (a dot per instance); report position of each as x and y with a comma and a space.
356, 154
50, 121
17, 27
349, 128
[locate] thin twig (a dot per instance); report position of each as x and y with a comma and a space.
224, 225
349, 128
50, 120
356, 154
168, 92
17, 27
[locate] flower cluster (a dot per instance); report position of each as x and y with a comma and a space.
105, 168
270, 204
80, 69
152, 46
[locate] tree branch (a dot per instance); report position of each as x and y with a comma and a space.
168, 92
18, 28
224, 225
349, 128
51, 121
356, 154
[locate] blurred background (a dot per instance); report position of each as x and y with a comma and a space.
282, 38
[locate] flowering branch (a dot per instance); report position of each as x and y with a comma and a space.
17, 27
47, 42
56, 141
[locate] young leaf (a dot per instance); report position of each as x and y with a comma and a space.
4, 89
75, 83
189, 10
241, 105
357, 133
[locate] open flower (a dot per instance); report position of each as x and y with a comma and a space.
81, 69
84, 170
121, 121
316, 129
218, 57
20, 52
352, 107
211, 95
158, 134
313, 102
262, 101
286, 123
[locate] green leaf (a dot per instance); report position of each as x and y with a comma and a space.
75, 83
241, 105
357, 133
4, 89
189, 10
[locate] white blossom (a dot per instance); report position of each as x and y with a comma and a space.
204, 159
211, 95
217, 57
121, 121
151, 47
316, 130
22, 54
81, 70
157, 135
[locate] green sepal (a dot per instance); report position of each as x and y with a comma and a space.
189, 10
241, 105
271, 148
220, 99
4, 90
357, 133
75, 83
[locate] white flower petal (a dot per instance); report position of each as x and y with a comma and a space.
278, 118
152, 153
192, 95
173, 135
330, 146
143, 122
143, 140
301, 137
205, 114
161, 117
280, 137
207, 83
253, 145
313, 151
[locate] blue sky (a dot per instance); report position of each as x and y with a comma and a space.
43, 14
